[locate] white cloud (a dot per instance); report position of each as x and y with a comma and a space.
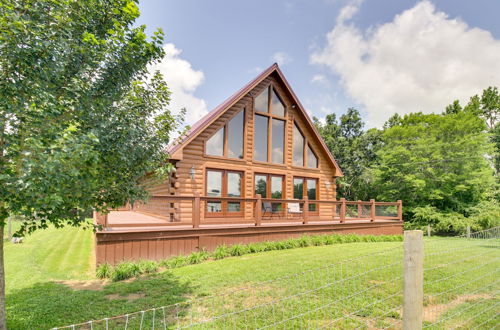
320, 79
182, 81
281, 58
421, 61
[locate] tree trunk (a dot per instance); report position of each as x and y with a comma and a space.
3, 318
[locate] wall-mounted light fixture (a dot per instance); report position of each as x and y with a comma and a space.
192, 172
327, 184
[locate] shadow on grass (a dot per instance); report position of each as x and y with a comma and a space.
47, 305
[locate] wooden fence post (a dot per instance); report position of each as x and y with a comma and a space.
360, 209
468, 231
413, 299
196, 210
258, 210
306, 210
400, 210
373, 213
428, 230
342, 210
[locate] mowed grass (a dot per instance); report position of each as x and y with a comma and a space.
50, 254
353, 285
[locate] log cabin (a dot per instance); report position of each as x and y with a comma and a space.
255, 168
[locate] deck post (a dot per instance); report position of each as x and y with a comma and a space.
373, 213
400, 210
342, 210
258, 210
306, 211
360, 209
196, 210
413, 293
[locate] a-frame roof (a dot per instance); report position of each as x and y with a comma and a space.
175, 150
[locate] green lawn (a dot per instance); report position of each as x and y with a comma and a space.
362, 281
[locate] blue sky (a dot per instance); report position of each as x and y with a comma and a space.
380, 56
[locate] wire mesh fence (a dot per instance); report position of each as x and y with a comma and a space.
365, 292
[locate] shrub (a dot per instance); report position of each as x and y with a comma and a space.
125, 270
221, 252
238, 250
148, 266
304, 241
269, 246
318, 240
176, 262
104, 270
255, 247
198, 257
291, 243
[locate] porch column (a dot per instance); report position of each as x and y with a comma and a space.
258, 210
373, 210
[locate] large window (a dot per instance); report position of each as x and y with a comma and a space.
260, 138
269, 127
298, 147
270, 186
302, 152
228, 140
278, 140
306, 187
223, 183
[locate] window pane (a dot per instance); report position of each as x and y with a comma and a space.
261, 101
278, 140
214, 183
235, 136
277, 106
311, 189
214, 207
260, 138
233, 184
276, 187
298, 147
312, 161
261, 185
233, 207
215, 145
276, 192
298, 188
311, 193
214, 188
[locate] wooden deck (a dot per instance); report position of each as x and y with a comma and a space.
130, 235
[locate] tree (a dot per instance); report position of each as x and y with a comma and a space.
486, 106
435, 161
354, 149
81, 119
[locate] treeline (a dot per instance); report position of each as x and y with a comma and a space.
443, 166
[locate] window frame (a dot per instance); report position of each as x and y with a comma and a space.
269, 186
271, 116
225, 146
304, 150
304, 190
224, 203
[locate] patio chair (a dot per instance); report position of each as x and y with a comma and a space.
267, 210
294, 210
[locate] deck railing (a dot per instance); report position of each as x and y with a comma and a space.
280, 212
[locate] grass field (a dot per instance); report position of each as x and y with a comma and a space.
49, 284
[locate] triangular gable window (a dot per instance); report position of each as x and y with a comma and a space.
215, 145
312, 160
262, 101
277, 106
